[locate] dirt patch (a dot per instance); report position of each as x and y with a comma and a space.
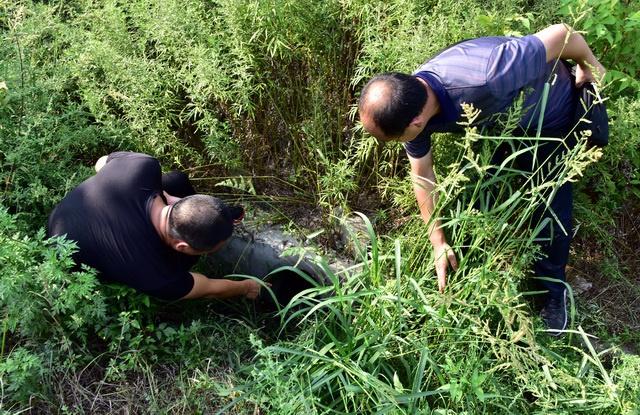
613, 300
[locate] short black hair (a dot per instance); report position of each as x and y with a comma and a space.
405, 99
202, 221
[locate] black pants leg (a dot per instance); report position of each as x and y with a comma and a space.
556, 235
559, 231
556, 251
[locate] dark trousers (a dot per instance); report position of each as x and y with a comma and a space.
177, 184
556, 235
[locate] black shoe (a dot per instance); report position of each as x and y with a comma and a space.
555, 313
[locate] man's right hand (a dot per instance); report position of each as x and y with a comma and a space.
443, 256
252, 289
222, 288
584, 73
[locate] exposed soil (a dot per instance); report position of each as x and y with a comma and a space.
87, 391
613, 300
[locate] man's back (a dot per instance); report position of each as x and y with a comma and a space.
108, 216
490, 73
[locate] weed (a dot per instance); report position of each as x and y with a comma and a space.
387, 341
263, 92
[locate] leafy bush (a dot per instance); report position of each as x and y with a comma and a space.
21, 374
45, 133
613, 30
616, 177
613, 183
268, 87
46, 307
41, 298
234, 83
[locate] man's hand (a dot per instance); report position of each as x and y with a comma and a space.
444, 256
252, 289
222, 288
584, 73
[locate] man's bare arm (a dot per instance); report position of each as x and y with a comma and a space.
424, 180
561, 42
204, 287
100, 163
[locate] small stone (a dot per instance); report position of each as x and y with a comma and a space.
580, 285
353, 228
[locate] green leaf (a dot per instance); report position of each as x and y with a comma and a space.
396, 383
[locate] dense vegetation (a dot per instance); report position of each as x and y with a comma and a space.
225, 88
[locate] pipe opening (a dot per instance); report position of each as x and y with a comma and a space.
285, 285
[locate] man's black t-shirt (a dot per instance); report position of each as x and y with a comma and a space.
108, 216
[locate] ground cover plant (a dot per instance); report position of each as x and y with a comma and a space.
224, 89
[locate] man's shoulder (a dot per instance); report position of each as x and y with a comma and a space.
464, 51
488, 65
464, 64
130, 171
126, 161
129, 156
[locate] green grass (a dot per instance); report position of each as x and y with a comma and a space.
260, 95
385, 340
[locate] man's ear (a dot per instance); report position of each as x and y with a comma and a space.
181, 246
418, 121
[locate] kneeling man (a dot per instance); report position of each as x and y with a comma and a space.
144, 229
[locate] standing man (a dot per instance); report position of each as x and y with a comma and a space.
489, 73
144, 229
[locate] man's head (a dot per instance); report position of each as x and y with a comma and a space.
201, 223
391, 106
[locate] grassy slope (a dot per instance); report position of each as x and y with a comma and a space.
233, 85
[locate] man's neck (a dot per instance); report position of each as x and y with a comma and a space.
159, 213
432, 108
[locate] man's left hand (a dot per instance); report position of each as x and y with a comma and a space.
584, 73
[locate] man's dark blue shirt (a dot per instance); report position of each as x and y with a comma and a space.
491, 73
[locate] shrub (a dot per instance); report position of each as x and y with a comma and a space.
47, 309
613, 182
46, 135
613, 30
40, 297
21, 375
